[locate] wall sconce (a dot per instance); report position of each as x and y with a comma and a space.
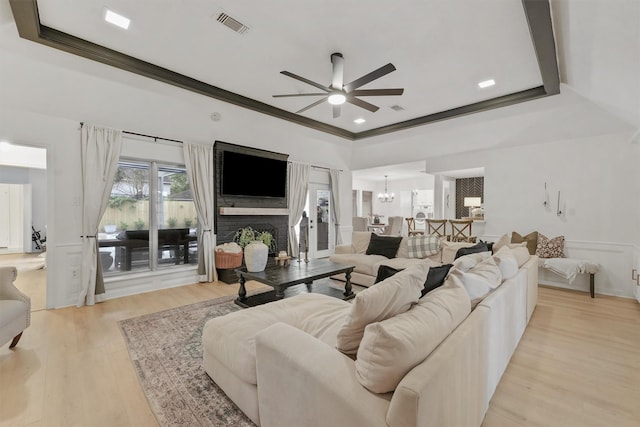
546, 196
471, 203
559, 211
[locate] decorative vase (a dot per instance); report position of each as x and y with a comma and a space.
255, 256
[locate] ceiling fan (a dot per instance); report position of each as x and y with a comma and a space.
338, 93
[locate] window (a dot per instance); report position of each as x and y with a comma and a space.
150, 221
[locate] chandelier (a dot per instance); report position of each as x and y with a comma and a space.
385, 197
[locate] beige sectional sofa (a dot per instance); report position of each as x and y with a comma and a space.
389, 358
366, 266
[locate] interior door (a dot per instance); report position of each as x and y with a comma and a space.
320, 221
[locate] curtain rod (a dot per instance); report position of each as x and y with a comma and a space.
155, 138
319, 167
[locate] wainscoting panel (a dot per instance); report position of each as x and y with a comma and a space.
613, 278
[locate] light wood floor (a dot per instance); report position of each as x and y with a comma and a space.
578, 364
31, 282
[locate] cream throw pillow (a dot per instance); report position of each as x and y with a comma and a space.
391, 348
449, 250
521, 254
506, 261
479, 281
503, 240
381, 301
467, 262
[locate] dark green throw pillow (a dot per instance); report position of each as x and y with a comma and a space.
435, 278
383, 245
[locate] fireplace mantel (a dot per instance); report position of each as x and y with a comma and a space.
254, 211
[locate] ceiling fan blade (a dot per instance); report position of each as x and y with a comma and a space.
338, 71
376, 74
300, 94
318, 102
362, 104
307, 81
336, 111
377, 92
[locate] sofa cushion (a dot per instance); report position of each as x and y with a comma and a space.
506, 261
384, 272
383, 245
384, 300
467, 262
522, 255
363, 264
435, 278
531, 239
360, 241
480, 280
422, 246
229, 336
449, 250
391, 348
503, 240
478, 247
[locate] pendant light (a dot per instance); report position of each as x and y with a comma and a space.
385, 197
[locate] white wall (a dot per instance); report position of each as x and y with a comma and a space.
598, 181
109, 97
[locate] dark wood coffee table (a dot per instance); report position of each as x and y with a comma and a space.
297, 273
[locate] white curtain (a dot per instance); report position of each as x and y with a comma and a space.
298, 177
100, 152
200, 170
334, 174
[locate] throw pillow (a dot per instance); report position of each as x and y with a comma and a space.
507, 262
467, 262
550, 248
435, 278
449, 250
531, 239
479, 281
478, 247
423, 246
489, 245
503, 240
386, 299
521, 254
384, 272
383, 245
392, 347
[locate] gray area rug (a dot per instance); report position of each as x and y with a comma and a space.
166, 352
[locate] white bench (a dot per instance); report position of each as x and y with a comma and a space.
570, 267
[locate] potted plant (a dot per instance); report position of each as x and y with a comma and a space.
256, 246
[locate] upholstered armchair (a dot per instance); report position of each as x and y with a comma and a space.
15, 308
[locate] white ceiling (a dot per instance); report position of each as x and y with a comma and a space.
441, 49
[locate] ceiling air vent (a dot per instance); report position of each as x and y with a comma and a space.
228, 21
396, 108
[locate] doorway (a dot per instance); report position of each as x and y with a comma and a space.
23, 199
320, 221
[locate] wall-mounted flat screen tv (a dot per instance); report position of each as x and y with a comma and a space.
252, 175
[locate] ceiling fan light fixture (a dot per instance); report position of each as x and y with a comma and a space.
337, 98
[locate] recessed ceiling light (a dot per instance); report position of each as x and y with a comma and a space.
116, 19
487, 83
359, 121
